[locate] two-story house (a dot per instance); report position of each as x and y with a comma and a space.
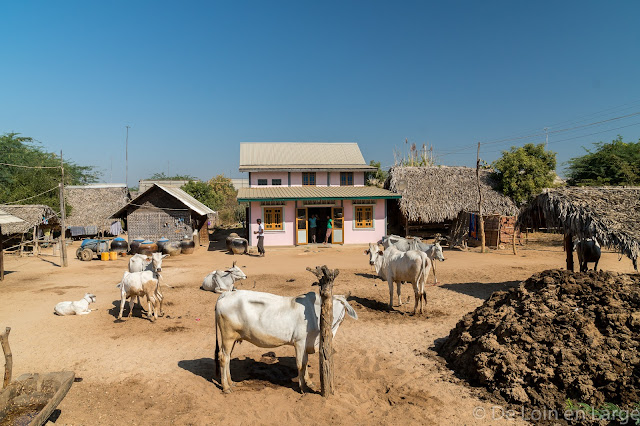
289, 183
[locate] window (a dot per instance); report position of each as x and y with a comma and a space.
276, 182
346, 178
309, 178
364, 216
262, 182
272, 218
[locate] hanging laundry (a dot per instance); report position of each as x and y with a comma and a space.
116, 228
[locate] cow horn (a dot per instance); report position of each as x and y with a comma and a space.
234, 263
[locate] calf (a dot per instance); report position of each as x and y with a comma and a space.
140, 284
269, 321
140, 262
81, 307
588, 251
219, 281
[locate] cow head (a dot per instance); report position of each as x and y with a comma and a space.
156, 260
91, 298
436, 252
236, 272
374, 251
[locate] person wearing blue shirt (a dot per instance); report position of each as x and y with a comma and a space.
313, 227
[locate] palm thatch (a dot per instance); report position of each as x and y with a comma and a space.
93, 205
437, 194
610, 214
32, 215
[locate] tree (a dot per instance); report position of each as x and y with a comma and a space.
378, 177
614, 163
204, 193
523, 172
218, 194
162, 176
20, 183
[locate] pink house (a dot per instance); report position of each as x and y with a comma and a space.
294, 186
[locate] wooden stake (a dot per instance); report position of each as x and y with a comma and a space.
480, 218
63, 245
1, 255
568, 247
8, 357
515, 251
325, 279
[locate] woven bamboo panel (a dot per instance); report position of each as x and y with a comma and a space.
153, 225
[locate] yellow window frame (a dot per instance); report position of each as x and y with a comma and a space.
364, 217
272, 218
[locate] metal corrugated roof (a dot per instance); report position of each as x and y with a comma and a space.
6, 218
314, 193
187, 199
257, 155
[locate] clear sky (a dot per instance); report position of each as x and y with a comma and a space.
194, 79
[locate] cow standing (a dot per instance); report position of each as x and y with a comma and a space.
588, 251
269, 321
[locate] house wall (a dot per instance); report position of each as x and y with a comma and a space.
286, 237
364, 236
296, 178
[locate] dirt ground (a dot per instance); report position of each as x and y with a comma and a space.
138, 372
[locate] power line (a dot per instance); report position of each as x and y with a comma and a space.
30, 167
29, 198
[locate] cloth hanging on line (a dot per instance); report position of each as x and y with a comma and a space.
116, 228
473, 226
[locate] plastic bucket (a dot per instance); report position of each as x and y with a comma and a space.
104, 255
113, 255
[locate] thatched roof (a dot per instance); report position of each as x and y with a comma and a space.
610, 214
94, 204
32, 215
436, 194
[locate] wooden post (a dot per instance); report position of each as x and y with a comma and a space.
1, 256
325, 280
480, 218
568, 247
515, 251
8, 357
63, 245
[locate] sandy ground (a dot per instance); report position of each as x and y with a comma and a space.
138, 372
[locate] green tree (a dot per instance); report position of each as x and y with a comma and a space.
378, 177
218, 194
523, 172
204, 193
614, 163
162, 176
20, 183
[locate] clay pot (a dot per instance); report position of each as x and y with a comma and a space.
187, 246
147, 247
173, 249
161, 243
135, 245
237, 245
119, 245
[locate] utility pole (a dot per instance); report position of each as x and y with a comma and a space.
63, 217
480, 217
546, 131
126, 155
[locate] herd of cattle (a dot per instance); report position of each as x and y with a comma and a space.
269, 320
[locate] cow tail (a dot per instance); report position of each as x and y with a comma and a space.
215, 324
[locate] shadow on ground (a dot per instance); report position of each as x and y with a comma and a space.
480, 290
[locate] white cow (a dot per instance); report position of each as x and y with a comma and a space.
434, 251
219, 281
140, 262
396, 266
81, 307
140, 284
269, 321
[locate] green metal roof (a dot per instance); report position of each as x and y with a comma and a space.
280, 193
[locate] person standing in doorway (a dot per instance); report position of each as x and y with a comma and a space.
260, 233
329, 226
313, 227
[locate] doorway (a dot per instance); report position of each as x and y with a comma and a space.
321, 229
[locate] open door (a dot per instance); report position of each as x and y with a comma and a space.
301, 227
338, 222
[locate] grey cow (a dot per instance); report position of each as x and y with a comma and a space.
434, 251
588, 251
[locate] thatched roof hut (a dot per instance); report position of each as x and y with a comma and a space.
610, 214
437, 194
93, 205
32, 215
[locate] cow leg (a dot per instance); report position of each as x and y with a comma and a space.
390, 281
418, 299
122, 302
225, 357
152, 314
595, 267
301, 363
305, 365
399, 290
131, 304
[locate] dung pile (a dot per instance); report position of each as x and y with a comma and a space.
557, 336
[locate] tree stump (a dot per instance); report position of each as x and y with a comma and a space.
325, 280
8, 357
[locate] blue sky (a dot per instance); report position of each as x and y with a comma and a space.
194, 79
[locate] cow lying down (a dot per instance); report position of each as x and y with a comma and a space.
219, 281
269, 321
81, 307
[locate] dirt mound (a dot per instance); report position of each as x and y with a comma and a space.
557, 336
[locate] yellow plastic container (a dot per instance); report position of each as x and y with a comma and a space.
113, 255
104, 255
